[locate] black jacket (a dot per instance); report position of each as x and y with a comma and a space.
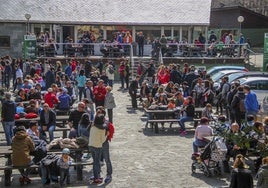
52, 118
8, 110
241, 177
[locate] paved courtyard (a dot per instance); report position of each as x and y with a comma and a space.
142, 158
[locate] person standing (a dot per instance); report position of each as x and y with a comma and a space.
238, 113
127, 74
240, 175
96, 139
251, 102
121, 71
110, 73
109, 103
7, 114
90, 98
133, 92
50, 77
99, 92
81, 82
140, 41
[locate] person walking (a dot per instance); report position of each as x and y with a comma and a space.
8, 117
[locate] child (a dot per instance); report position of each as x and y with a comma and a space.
64, 162
171, 104
109, 103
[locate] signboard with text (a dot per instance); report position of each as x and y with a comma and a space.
29, 47
265, 53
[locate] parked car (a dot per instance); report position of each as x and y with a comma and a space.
259, 85
218, 76
264, 106
235, 76
216, 69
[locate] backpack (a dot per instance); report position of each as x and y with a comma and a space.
111, 69
111, 131
242, 105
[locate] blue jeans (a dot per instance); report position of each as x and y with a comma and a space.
106, 156
64, 174
110, 83
73, 133
198, 143
51, 130
8, 128
96, 155
184, 119
83, 131
46, 176
81, 92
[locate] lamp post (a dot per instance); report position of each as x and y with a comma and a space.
27, 16
240, 19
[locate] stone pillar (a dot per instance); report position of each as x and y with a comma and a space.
75, 34
104, 32
180, 33
172, 33
162, 30
134, 33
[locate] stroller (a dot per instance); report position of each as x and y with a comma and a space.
209, 160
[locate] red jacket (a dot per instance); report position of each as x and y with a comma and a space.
51, 99
99, 93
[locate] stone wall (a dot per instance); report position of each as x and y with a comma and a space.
16, 32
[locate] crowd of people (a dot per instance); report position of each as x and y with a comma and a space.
236, 110
44, 90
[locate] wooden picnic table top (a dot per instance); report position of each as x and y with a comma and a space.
58, 118
6, 150
198, 109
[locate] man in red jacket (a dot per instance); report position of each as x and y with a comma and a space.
99, 92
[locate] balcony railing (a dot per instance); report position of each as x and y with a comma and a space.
119, 50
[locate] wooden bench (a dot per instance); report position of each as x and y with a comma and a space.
8, 170
155, 122
76, 154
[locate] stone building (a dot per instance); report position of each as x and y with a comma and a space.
180, 20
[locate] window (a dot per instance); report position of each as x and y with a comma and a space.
4, 41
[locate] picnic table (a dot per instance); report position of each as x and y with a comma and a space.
167, 116
76, 154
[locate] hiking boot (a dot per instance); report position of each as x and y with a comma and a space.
108, 179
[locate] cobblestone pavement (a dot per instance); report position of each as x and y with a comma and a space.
142, 158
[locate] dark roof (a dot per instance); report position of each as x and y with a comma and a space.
127, 12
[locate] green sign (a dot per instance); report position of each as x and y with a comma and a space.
29, 47
265, 53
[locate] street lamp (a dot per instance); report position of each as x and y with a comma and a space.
27, 16
240, 19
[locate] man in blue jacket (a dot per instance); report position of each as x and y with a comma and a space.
251, 102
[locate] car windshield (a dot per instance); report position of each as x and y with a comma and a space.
242, 80
233, 76
217, 76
